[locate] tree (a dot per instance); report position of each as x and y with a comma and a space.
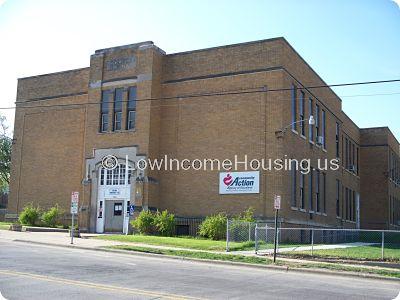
5, 155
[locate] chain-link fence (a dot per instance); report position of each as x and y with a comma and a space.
321, 243
241, 236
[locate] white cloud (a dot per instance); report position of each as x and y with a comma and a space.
2, 2
395, 1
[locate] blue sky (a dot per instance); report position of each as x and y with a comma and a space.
343, 40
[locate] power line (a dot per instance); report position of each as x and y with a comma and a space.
226, 93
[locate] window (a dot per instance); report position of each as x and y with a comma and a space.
347, 154
317, 191
337, 197
294, 183
317, 122
353, 204
131, 108
353, 156
347, 204
119, 93
324, 193
337, 140
105, 100
302, 196
100, 209
343, 153
302, 107
115, 176
324, 128
294, 107
311, 190
102, 176
118, 209
310, 128
358, 159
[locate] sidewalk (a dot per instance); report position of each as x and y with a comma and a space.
88, 242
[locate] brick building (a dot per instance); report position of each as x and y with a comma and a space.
136, 102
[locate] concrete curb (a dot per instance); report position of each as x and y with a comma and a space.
221, 262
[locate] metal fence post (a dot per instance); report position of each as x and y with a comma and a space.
227, 235
312, 242
249, 231
383, 245
256, 240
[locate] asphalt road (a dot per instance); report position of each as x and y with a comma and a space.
40, 272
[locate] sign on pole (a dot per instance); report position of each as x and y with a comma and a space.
277, 202
131, 209
74, 211
277, 206
74, 202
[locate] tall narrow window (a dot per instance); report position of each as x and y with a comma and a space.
337, 197
347, 204
324, 193
317, 191
343, 153
131, 108
358, 159
353, 199
105, 100
337, 140
324, 129
353, 156
347, 154
302, 115
294, 183
310, 128
302, 200
311, 190
317, 131
294, 107
117, 125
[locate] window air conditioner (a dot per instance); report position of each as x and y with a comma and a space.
320, 140
353, 168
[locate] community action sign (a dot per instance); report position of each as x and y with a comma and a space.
239, 182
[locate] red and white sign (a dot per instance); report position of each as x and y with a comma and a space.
277, 202
74, 202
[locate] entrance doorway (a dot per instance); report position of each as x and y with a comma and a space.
112, 199
114, 216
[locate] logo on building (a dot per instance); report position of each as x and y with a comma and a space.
239, 183
228, 179
109, 162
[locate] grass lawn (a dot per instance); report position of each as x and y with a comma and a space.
257, 260
5, 225
372, 252
181, 242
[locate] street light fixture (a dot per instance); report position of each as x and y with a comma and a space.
281, 132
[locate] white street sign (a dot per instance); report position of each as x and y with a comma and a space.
277, 202
74, 202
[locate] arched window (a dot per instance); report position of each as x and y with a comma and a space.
115, 176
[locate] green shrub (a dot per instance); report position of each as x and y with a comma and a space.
30, 215
51, 217
214, 227
246, 216
164, 223
144, 222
